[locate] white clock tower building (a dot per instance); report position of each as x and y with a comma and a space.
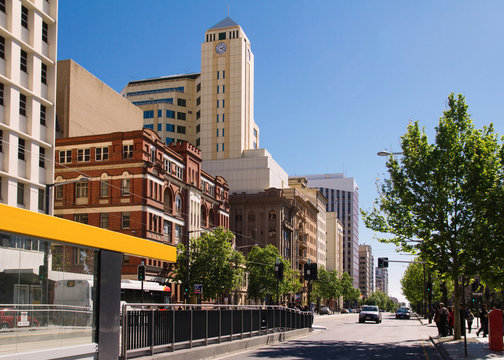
227, 93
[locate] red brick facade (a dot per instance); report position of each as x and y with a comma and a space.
139, 186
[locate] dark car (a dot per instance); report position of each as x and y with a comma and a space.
371, 313
324, 310
10, 318
403, 313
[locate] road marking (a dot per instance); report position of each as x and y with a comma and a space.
425, 351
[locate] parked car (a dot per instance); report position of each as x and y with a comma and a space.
344, 311
10, 318
324, 310
403, 313
371, 313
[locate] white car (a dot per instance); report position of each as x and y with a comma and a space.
371, 313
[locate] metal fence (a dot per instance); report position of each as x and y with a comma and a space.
152, 328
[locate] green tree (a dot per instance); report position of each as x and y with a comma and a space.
328, 285
347, 289
261, 268
436, 193
212, 263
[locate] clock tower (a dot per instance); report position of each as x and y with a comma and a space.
227, 93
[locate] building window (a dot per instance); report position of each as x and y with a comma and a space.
1, 94
217, 117
24, 17
149, 114
104, 188
223, 74
20, 193
178, 232
23, 63
43, 75
104, 220
101, 154
169, 140
222, 146
65, 156
217, 132
198, 128
160, 113
223, 103
45, 31
181, 115
179, 172
217, 104
81, 189
83, 155
222, 132
127, 151
198, 142
1, 141
198, 87
198, 100
42, 115
58, 192
181, 129
81, 218
21, 149
223, 89
159, 127
218, 75
149, 126
41, 199
181, 102
217, 89
2, 48
217, 147
125, 220
125, 187
170, 114
2, 6
222, 36
178, 204
42, 157
22, 104
198, 114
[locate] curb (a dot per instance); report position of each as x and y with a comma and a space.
440, 349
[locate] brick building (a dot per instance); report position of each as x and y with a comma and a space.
140, 186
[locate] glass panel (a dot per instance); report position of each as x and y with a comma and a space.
46, 294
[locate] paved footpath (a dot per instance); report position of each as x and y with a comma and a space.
477, 347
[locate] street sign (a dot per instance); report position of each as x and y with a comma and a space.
477, 294
198, 289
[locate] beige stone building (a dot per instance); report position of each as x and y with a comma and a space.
28, 44
334, 237
87, 106
366, 273
320, 201
214, 110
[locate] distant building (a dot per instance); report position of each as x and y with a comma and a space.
316, 198
141, 187
342, 195
382, 280
214, 110
365, 270
28, 44
334, 237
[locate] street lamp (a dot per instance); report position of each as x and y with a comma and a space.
386, 153
49, 186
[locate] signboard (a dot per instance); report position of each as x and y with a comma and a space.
23, 319
198, 289
477, 294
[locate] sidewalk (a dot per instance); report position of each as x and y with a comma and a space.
477, 347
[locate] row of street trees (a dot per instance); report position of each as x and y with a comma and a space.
211, 261
449, 196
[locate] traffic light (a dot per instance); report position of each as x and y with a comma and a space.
42, 272
385, 262
141, 272
314, 271
307, 271
186, 291
279, 269
380, 262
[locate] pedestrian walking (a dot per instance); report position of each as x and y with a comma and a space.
437, 319
451, 320
469, 318
443, 319
484, 321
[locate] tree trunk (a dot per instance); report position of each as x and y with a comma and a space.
456, 302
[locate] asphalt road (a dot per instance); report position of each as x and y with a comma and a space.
342, 337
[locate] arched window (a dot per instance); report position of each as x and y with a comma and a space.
211, 218
203, 218
178, 204
168, 201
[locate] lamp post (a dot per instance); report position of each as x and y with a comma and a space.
387, 153
49, 186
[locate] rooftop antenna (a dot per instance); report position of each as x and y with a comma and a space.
228, 8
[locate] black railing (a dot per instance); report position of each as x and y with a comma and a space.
152, 328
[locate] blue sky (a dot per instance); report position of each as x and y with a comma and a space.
339, 80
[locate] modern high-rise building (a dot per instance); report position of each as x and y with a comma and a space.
382, 280
214, 110
365, 270
342, 195
27, 95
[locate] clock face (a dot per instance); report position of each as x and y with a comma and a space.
221, 48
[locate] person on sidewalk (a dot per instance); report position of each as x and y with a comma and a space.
443, 320
451, 320
484, 321
437, 319
469, 318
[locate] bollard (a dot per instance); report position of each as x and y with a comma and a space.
495, 330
